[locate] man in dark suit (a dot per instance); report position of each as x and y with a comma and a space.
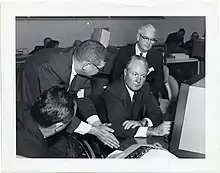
37, 48
175, 41
38, 128
130, 106
67, 67
145, 40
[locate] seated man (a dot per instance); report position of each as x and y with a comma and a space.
130, 106
189, 44
54, 110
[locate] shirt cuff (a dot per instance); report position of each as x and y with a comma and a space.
93, 119
150, 124
141, 132
83, 128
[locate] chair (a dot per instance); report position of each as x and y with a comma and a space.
172, 90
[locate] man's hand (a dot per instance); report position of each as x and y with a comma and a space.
104, 134
161, 130
132, 124
105, 126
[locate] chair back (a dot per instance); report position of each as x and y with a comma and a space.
172, 88
166, 73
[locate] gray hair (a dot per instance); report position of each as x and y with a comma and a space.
139, 58
92, 51
147, 27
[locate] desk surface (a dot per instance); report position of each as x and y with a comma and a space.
176, 60
149, 140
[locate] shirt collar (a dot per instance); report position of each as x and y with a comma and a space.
138, 52
130, 92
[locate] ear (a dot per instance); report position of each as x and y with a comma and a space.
85, 65
138, 37
125, 72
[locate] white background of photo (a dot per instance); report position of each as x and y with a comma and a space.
210, 9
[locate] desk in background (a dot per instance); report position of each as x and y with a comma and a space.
189, 60
183, 69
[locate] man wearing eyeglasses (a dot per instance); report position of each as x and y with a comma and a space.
71, 68
145, 40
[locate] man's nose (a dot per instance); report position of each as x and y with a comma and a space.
138, 79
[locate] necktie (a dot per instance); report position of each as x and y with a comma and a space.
134, 97
141, 54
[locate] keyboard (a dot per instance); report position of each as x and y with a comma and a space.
139, 152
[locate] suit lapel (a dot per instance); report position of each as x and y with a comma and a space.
77, 83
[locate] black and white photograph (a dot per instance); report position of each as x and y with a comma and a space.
109, 88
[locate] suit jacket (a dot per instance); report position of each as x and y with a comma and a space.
173, 38
154, 59
115, 107
36, 49
51, 67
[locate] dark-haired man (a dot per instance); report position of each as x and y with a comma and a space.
176, 39
70, 68
54, 110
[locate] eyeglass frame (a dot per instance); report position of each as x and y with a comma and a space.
145, 38
99, 69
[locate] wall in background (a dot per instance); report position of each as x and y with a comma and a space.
31, 32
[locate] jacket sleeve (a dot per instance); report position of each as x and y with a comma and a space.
47, 77
153, 111
86, 108
116, 115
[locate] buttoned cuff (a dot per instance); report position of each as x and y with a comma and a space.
83, 128
93, 119
141, 132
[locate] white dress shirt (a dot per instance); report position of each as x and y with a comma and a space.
83, 127
142, 131
138, 52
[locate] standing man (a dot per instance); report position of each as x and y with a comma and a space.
145, 40
129, 105
70, 68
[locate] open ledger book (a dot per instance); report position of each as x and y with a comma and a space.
143, 151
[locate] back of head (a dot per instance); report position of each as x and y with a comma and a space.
53, 106
47, 40
52, 44
91, 51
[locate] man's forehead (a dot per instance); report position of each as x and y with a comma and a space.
137, 66
148, 31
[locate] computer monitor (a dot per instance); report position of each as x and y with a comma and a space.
198, 50
188, 134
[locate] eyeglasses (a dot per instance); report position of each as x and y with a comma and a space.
99, 69
145, 38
